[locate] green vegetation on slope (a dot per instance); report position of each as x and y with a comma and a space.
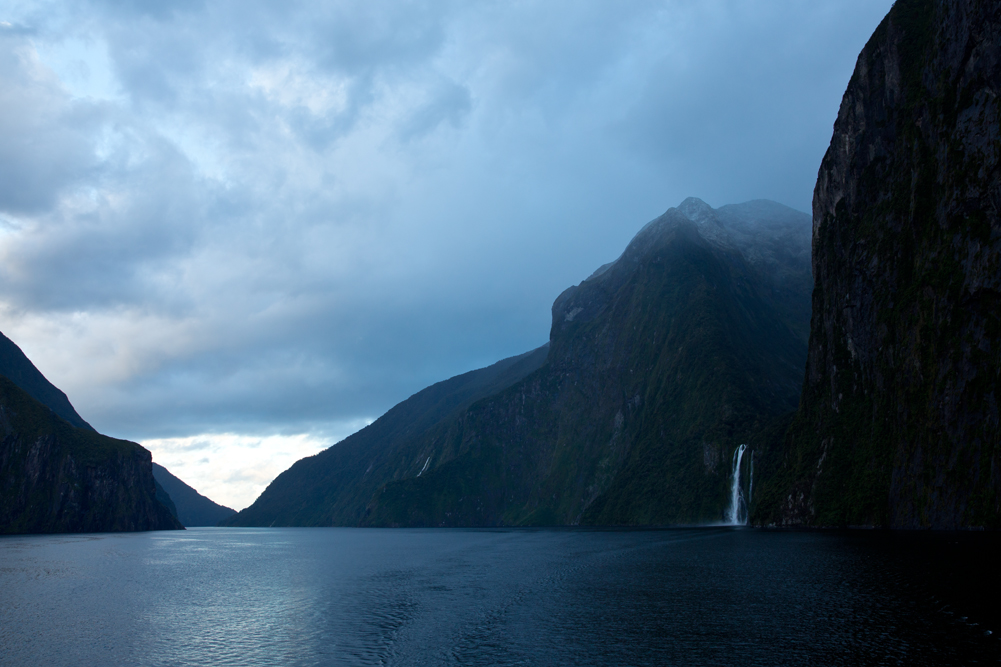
335, 486
658, 369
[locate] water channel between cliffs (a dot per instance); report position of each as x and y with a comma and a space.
711, 596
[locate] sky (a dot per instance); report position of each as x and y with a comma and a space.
237, 232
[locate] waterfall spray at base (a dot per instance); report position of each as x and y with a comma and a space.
734, 515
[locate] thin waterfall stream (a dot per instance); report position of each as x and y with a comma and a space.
734, 516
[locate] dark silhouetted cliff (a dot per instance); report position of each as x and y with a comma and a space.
16, 367
58, 475
898, 424
56, 478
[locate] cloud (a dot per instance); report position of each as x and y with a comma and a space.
46, 141
271, 220
444, 101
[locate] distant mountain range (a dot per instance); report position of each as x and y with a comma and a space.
658, 367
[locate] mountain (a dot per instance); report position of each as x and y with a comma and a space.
659, 366
162, 495
57, 478
16, 367
335, 486
59, 475
191, 508
899, 419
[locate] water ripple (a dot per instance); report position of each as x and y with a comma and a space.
714, 596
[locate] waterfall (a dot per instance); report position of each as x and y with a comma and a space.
733, 514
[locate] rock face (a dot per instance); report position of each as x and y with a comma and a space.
190, 507
898, 424
659, 365
58, 475
56, 478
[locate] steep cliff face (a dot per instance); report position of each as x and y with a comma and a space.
56, 478
898, 423
660, 365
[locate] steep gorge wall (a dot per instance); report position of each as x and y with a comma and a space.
898, 422
55, 478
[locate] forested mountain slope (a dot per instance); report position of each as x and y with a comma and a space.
659, 365
191, 508
335, 486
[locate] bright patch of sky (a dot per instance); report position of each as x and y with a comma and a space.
233, 469
83, 67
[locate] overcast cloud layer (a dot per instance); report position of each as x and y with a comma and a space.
237, 231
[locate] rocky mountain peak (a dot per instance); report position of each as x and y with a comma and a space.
769, 235
706, 220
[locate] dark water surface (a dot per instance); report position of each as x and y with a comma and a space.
341, 596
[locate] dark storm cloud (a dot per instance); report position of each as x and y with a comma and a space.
258, 218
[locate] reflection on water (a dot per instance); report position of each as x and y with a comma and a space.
710, 596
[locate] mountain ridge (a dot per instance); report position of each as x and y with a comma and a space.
582, 440
16, 366
547, 432
302, 494
191, 508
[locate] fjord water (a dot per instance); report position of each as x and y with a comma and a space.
340, 596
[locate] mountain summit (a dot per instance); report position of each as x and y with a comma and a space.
659, 366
